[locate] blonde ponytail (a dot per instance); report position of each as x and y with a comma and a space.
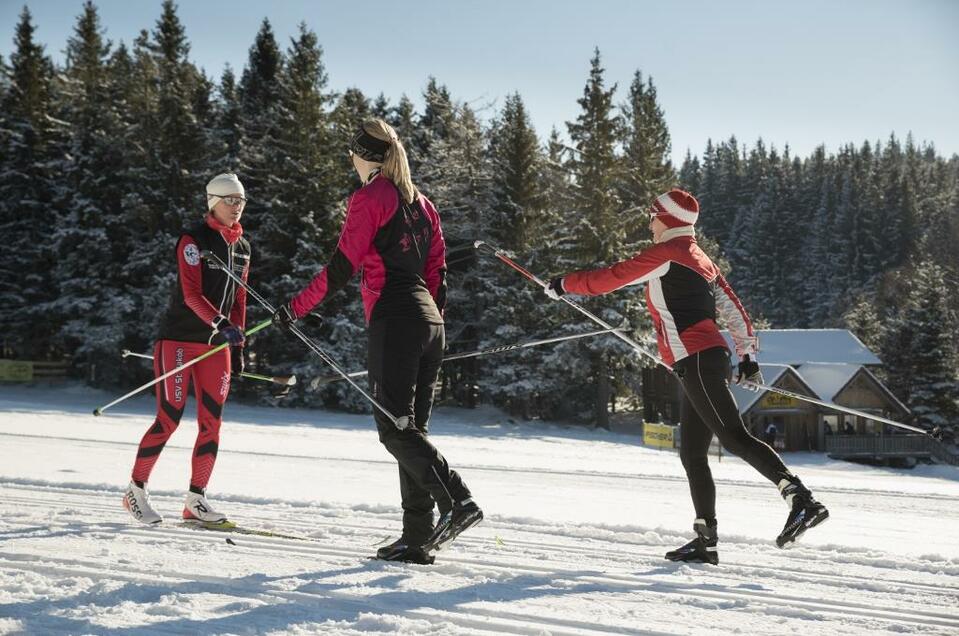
396, 166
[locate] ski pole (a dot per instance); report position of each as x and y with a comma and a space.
836, 407
284, 380
215, 260
502, 256
217, 349
483, 352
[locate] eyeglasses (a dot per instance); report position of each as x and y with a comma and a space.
234, 201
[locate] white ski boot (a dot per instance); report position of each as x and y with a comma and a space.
197, 508
137, 502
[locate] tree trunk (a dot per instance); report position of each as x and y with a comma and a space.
602, 393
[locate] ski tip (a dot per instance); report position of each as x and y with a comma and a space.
230, 541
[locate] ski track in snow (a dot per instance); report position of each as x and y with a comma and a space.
72, 562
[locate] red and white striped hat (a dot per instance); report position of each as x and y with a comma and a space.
676, 208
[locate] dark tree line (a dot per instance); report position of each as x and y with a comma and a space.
865, 239
103, 161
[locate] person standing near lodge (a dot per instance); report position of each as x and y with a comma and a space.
207, 309
684, 293
770, 434
392, 235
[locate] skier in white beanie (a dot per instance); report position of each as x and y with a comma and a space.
206, 309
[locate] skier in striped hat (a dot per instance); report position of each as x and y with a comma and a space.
684, 293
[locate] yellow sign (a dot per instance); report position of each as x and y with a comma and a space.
16, 371
659, 435
778, 401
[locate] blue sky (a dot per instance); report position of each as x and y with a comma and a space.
804, 72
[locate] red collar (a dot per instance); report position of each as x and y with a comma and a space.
230, 234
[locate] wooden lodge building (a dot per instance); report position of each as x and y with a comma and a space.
831, 365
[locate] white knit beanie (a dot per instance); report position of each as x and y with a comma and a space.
223, 185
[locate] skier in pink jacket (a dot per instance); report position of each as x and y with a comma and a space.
392, 236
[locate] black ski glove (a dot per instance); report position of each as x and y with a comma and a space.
555, 288
284, 317
748, 371
237, 364
230, 332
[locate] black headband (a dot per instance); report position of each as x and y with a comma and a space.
369, 147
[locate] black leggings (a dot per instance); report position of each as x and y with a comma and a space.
404, 357
709, 408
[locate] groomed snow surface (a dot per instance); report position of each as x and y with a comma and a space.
577, 522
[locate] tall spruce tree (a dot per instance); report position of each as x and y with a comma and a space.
647, 168
260, 115
927, 376
95, 233
30, 151
403, 117
593, 232
167, 170
515, 221
314, 142
226, 135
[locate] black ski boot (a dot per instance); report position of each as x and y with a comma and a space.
463, 516
702, 549
400, 550
805, 512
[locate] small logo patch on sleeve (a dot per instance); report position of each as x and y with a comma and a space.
191, 254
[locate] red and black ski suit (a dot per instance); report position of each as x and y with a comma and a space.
203, 296
398, 249
684, 293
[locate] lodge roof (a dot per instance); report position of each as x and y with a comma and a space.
802, 346
824, 381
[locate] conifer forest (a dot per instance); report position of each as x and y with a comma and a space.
104, 158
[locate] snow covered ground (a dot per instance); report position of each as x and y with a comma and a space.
577, 523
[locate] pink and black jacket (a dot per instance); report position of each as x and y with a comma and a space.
685, 291
400, 251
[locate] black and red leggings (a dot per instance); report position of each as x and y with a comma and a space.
211, 383
708, 408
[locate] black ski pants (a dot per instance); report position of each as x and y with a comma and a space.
708, 408
403, 358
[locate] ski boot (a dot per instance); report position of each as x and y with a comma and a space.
702, 549
464, 515
197, 508
137, 502
804, 511
401, 550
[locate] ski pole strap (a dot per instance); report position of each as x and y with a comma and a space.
213, 351
501, 255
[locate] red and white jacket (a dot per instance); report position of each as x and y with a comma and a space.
685, 291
